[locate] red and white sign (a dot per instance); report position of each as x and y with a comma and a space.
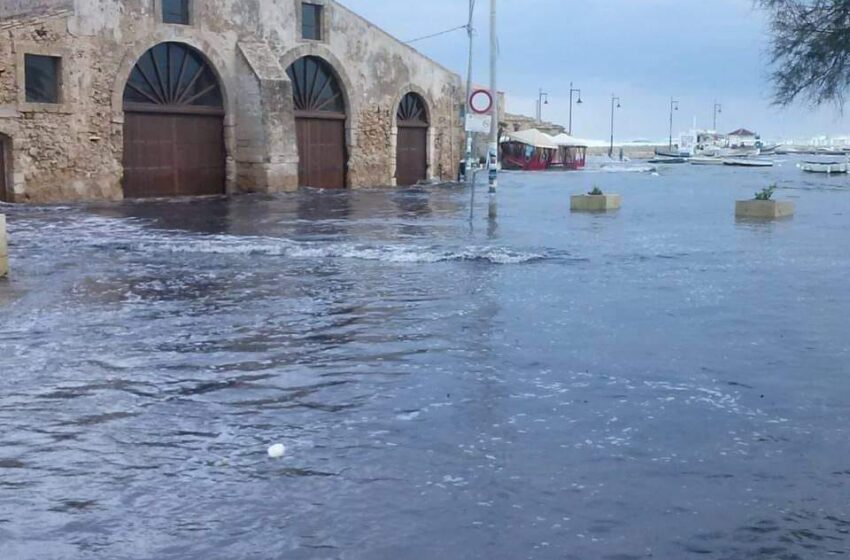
481, 102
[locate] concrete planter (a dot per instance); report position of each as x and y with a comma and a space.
764, 209
4, 251
594, 202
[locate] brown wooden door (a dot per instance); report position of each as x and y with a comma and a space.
321, 152
173, 155
4, 179
411, 155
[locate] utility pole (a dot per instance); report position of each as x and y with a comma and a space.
614, 99
494, 125
541, 97
468, 175
572, 90
718, 108
674, 105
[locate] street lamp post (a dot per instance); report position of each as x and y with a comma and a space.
614, 99
572, 90
718, 109
542, 98
674, 106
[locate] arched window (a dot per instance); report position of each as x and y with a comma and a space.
315, 87
412, 111
173, 75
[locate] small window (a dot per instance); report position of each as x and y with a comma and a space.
175, 11
311, 21
42, 78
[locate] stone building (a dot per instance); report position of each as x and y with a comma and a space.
107, 99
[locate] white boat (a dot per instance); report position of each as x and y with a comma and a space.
828, 167
706, 161
748, 162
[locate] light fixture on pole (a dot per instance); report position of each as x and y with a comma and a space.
579, 102
674, 106
718, 109
614, 99
542, 99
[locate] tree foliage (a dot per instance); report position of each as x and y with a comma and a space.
810, 50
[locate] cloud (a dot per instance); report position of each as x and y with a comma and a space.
644, 50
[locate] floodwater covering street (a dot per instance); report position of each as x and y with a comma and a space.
659, 382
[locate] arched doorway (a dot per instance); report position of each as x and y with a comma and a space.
173, 125
5, 169
412, 140
320, 123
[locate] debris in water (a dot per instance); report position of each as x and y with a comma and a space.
277, 451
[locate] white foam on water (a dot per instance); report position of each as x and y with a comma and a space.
137, 236
392, 253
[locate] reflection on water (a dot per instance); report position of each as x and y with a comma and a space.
658, 382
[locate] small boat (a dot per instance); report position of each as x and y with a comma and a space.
670, 154
828, 167
746, 162
668, 160
706, 161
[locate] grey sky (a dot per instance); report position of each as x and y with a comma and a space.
643, 50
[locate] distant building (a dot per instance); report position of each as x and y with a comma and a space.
112, 99
742, 138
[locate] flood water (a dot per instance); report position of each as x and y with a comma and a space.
659, 382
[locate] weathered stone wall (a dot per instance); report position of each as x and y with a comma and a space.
73, 150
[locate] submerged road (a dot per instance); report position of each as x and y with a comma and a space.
660, 382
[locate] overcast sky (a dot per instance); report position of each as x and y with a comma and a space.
645, 51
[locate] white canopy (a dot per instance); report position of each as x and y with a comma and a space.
533, 137
564, 139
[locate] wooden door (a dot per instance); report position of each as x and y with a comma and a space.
411, 155
321, 152
173, 125
173, 155
4, 178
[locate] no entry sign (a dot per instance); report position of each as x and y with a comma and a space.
481, 102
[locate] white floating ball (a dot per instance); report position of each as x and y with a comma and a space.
277, 451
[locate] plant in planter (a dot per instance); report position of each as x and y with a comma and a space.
767, 193
763, 206
594, 201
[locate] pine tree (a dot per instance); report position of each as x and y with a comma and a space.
810, 50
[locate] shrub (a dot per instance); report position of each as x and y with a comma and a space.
596, 191
766, 194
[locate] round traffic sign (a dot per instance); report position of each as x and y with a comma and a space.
481, 102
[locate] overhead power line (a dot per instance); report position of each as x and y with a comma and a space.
446, 32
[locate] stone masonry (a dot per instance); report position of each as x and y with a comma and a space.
73, 150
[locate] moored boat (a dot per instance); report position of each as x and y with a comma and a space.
828, 167
668, 160
706, 161
748, 162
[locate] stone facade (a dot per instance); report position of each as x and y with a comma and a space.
73, 150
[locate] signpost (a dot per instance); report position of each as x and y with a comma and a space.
478, 123
481, 102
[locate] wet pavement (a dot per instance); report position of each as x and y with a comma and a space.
659, 382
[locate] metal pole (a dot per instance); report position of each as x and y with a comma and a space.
539, 97
468, 175
611, 147
570, 127
673, 104
718, 108
494, 125
614, 99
